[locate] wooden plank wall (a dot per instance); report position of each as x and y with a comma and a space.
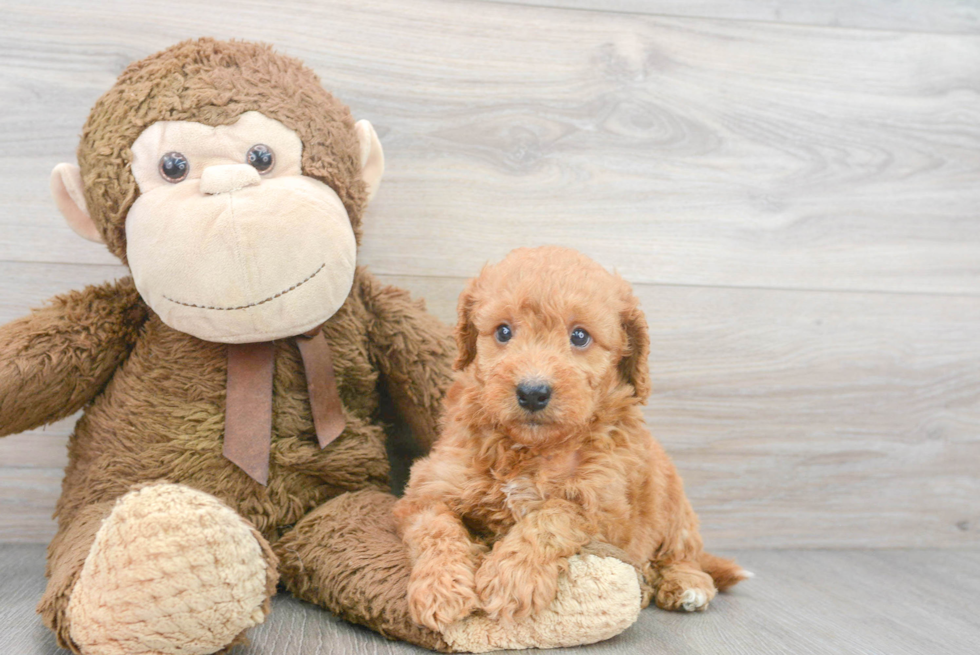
793, 187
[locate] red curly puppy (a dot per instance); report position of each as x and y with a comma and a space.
544, 446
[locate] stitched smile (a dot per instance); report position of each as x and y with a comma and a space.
278, 295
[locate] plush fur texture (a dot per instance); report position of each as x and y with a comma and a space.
213, 82
507, 496
362, 569
161, 418
154, 398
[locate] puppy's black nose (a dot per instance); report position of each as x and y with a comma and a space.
533, 396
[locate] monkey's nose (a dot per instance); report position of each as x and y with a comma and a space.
225, 178
533, 396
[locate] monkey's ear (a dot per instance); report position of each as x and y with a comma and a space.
372, 157
68, 192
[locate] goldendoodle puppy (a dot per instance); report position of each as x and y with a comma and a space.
544, 447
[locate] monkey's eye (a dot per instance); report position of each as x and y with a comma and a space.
174, 167
503, 333
580, 338
261, 157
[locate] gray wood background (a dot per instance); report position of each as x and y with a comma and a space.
793, 186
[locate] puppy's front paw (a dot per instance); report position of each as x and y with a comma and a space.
684, 589
441, 592
511, 586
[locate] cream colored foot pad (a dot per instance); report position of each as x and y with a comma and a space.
597, 599
172, 570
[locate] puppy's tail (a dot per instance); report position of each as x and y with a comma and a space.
725, 572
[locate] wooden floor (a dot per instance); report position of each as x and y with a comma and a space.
817, 602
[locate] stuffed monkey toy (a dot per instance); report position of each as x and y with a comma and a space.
230, 438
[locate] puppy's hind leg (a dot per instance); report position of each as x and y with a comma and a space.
725, 572
680, 585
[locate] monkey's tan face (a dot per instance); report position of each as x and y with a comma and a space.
228, 240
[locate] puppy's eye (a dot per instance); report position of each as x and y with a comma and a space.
174, 167
503, 333
580, 338
261, 158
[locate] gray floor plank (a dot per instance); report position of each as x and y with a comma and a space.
955, 16
814, 602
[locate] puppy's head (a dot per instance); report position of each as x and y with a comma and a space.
549, 336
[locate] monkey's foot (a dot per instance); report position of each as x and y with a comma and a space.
172, 571
598, 597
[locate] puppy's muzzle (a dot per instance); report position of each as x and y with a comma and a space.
533, 396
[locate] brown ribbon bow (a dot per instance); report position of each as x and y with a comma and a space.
248, 405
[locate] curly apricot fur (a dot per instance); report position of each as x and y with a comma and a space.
535, 487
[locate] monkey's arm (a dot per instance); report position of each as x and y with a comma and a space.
414, 352
59, 357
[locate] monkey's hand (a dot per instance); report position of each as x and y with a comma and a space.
414, 352
58, 358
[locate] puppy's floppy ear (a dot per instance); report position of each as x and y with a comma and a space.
466, 332
634, 366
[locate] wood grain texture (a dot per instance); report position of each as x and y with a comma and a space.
798, 419
957, 16
797, 205
730, 153
805, 603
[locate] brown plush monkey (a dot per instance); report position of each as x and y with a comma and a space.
233, 186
